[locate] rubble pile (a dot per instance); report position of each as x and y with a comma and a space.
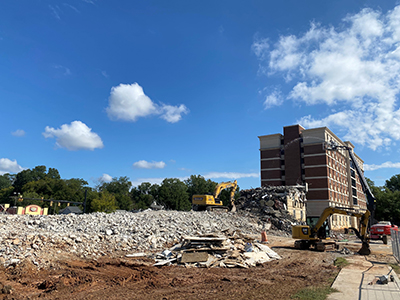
210, 251
42, 238
270, 203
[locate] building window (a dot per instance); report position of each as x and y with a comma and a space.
355, 201
294, 213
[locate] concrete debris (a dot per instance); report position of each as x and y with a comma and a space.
41, 239
384, 279
346, 251
211, 251
271, 204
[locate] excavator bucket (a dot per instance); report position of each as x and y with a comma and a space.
365, 249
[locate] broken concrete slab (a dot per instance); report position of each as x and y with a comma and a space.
165, 262
194, 257
271, 253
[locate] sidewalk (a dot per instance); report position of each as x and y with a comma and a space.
353, 281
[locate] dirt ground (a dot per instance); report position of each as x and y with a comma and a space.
123, 278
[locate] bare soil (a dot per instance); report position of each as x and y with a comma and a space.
123, 278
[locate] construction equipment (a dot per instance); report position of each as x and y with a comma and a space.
316, 236
212, 202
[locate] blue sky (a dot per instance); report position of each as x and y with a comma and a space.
166, 89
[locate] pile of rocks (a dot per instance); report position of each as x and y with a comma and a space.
270, 203
43, 238
210, 251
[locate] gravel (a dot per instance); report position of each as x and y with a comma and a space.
42, 239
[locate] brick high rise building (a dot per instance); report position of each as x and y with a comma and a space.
299, 157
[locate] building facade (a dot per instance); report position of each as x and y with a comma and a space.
299, 156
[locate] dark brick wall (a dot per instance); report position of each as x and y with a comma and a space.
273, 174
314, 172
320, 195
270, 153
268, 164
315, 160
313, 149
292, 154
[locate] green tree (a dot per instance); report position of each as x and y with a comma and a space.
143, 195
5, 195
106, 202
387, 201
173, 194
119, 187
393, 184
198, 185
6, 180
36, 174
53, 174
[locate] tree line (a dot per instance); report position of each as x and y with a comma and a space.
172, 193
43, 183
387, 199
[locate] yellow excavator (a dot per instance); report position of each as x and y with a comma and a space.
315, 236
212, 202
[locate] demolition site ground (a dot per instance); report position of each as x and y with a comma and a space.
119, 277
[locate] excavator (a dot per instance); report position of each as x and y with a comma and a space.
316, 235
212, 202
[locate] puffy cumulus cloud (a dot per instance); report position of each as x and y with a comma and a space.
230, 175
128, 102
173, 114
18, 132
142, 164
385, 165
273, 99
9, 166
105, 178
354, 69
74, 136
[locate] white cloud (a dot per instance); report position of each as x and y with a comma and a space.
230, 175
142, 164
55, 11
66, 71
173, 114
354, 69
9, 166
385, 165
128, 102
105, 178
273, 99
104, 73
75, 136
18, 132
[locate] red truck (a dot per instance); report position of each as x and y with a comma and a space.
381, 231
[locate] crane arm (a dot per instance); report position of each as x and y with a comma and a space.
225, 185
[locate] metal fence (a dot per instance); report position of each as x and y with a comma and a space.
395, 243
